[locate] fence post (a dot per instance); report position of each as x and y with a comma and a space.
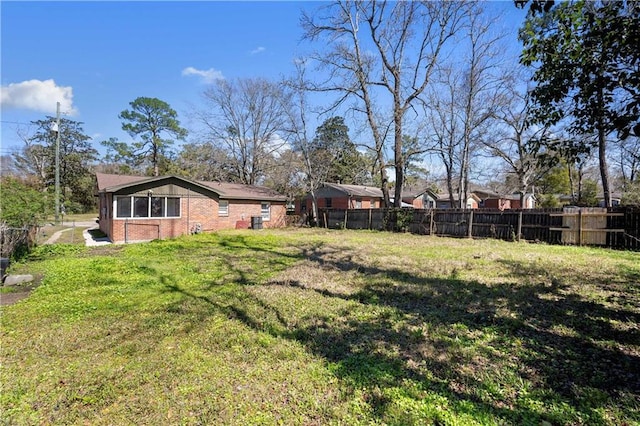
470, 235
519, 226
324, 214
431, 223
370, 222
580, 227
345, 217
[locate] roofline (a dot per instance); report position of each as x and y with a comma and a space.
341, 187
253, 198
144, 180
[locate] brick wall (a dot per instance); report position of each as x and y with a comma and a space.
244, 210
197, 212
337, 203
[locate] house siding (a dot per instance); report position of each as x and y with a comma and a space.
499, 203
243, 211
342, 202
445, 204
198, 211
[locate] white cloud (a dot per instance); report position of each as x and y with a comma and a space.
207, 76
278, 145
38, 95
257, 50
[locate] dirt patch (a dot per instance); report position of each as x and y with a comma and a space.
19, 292
7, 299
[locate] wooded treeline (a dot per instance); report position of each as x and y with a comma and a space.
400, 95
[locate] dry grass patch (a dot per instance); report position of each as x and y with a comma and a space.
326, 327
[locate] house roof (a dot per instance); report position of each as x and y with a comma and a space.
445, 197
239, 191
107, 181
232, 191
356, 190
413, 193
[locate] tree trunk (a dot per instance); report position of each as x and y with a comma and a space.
314, 209
604, 170
571, 183
154, 160
602, 151
399, 160
450, 186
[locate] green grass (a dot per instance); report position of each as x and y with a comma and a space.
78, 217
324, 327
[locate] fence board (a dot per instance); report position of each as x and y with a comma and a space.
615, 228
16, 240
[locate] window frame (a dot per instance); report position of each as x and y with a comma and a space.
135, 212
223, 212
267, 216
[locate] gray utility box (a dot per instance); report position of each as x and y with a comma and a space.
256, 222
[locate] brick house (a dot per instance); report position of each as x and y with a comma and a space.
420, 199
348, 197
506, 202
139, 208
339, 196
444, 202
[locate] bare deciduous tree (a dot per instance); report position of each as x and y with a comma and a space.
244, 117
515, 141
383, 55
316, 163
463, 103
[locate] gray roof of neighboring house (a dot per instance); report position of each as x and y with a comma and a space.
232, 191
356, 190
445, 197
415, 193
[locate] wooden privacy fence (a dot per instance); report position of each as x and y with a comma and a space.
615, 227
16, 240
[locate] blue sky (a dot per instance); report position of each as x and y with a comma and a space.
96, 57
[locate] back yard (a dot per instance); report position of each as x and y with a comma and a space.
324, 327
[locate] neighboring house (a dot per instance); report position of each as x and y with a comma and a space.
616, 199
138, 208
339, 196
420, 199
506, 202
443, 202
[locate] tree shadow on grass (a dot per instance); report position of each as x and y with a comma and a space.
452, 337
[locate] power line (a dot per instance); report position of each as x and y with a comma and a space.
15, 122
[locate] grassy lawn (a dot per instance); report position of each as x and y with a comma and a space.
324, 327
70, 234
69, 224
67, 219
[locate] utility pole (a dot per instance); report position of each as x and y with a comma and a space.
57, 163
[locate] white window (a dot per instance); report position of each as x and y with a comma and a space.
265, 210
143, 207
358, 203
223, 208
